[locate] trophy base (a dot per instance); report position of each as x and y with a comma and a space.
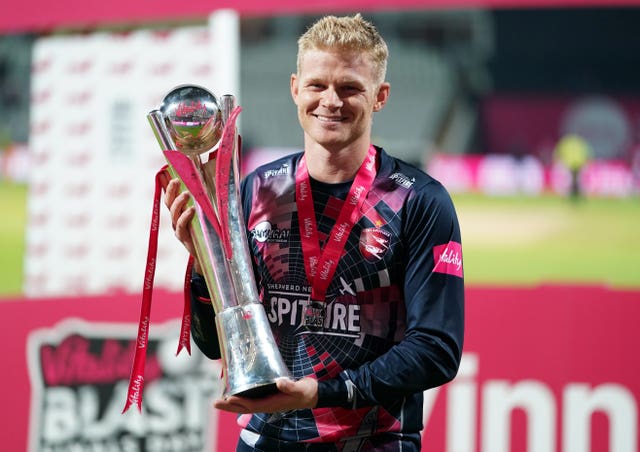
258, 392
251, 360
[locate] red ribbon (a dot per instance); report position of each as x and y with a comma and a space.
223, 173
136, 381
320, 265
190, 176
185, 326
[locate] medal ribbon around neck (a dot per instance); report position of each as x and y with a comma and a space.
320, 265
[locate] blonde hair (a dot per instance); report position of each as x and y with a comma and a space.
351, 33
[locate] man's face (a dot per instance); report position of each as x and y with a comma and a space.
336, 94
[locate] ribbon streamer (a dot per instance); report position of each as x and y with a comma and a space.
136, 381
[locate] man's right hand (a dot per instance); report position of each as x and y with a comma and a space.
181, 215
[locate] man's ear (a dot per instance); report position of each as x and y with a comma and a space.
382, 96
294, 88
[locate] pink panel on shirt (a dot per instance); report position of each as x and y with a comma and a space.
448, 259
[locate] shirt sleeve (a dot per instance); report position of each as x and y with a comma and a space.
203, 324
430, 352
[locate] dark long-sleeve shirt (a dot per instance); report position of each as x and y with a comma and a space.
394, 309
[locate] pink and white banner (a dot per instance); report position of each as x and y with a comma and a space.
94, 155
545, 369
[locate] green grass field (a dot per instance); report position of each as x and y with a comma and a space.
13, 205
529, 241
506, 241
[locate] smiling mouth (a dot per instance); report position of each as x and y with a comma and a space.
330, 119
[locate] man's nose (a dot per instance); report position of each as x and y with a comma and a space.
331, 98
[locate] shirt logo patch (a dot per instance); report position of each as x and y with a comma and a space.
403, 180
282, 171
448, 259
266, 232
374, 244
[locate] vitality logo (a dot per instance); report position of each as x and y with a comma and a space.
79, 373
448, 259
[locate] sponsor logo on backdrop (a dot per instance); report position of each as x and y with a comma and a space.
79, 373
480, 413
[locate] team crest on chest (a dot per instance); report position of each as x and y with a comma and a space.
374, 244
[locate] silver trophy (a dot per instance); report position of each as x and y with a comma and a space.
198, 134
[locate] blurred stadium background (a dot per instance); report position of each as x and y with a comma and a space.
481, 96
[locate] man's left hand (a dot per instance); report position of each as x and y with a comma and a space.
291, 395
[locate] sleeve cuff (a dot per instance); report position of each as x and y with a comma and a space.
333, 392
199, 288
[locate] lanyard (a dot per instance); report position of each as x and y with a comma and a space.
321, 264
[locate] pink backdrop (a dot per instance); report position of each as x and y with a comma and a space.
554, 366
42, 15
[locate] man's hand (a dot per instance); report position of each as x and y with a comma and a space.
181, 215
292, 395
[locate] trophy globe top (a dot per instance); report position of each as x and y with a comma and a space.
193, 116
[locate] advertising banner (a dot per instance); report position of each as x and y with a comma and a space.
94, 155
545, 369
508, 175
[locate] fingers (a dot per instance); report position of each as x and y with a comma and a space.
231, 406
175, 200
304, 390
181, 215
292, 395
172, 190
178, 207
165, 178
286, 385
182, 220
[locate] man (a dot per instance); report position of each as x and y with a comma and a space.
573, 152
363, 283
